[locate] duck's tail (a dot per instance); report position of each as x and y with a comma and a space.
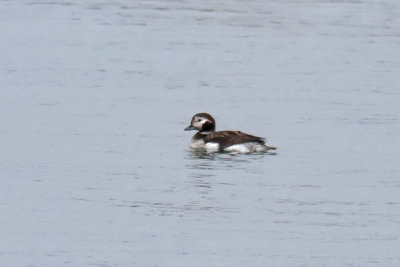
270, 147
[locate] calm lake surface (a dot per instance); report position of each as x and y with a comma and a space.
95, 168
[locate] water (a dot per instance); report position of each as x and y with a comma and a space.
95, 166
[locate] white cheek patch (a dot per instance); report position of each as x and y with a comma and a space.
199, 123
212, 147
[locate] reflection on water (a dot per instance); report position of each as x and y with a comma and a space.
201, 159
202, 164
175, 209
238, 157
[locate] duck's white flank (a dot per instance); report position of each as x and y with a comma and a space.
211, 147
246, 148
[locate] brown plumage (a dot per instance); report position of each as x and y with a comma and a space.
229, 138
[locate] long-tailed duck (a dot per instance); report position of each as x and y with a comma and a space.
223, 141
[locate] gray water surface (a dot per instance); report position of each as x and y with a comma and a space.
95, 168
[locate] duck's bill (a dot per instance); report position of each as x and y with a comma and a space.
190, 128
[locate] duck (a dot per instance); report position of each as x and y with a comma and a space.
223, 141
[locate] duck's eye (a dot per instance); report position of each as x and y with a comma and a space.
198, 120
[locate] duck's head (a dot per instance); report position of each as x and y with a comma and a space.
202, 122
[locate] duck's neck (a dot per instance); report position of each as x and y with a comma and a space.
200, 135
208, 127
